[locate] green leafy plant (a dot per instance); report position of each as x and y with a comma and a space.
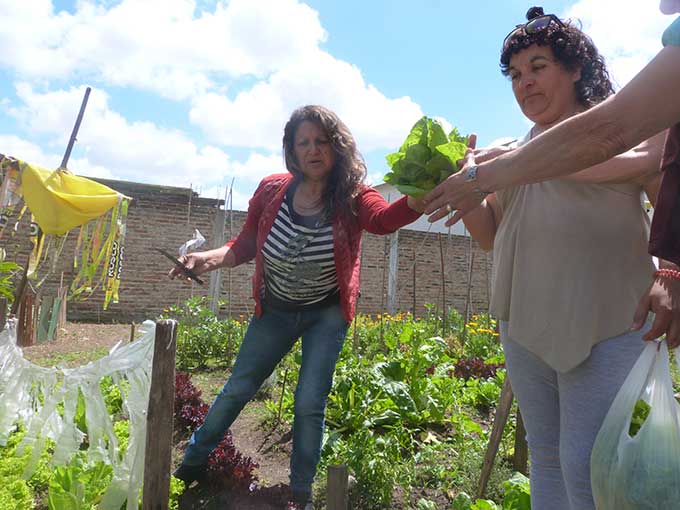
78, 486
517, 494
426, 158
640, 414
426, 504
8, 270
202, 338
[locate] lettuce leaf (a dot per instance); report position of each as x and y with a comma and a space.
426, 158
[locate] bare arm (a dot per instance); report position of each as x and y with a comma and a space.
646, 106
640, 165
483, 221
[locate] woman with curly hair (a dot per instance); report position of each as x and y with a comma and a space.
570, 263
304, 230
649, 104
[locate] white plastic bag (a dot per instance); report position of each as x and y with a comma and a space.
192, 244
641, 472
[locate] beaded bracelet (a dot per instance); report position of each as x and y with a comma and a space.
668, 273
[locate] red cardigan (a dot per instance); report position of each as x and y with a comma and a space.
374, 215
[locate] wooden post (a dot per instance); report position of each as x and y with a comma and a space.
502, 413
132, 332
521, 458
415, 261
445, 314
355, 337
157, 459
3, 312
337, 496
215, 288
392, 283
63, 294
231, 234
26, 326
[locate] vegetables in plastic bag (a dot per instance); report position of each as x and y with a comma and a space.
640, 472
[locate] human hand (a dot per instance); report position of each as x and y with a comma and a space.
663, 299
417, 204
455, 193
196, 262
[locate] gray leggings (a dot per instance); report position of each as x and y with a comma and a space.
563, 413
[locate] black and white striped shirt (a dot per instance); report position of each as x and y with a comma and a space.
299, 268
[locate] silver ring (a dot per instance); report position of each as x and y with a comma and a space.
449, 209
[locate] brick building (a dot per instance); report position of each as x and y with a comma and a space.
399, 272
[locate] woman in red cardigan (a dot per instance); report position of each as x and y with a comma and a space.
304, 230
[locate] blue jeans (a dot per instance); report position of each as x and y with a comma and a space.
268, 339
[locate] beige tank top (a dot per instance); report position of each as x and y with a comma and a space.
570, 265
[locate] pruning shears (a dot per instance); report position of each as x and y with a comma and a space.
187, 272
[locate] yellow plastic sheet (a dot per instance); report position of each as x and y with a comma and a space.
61, 201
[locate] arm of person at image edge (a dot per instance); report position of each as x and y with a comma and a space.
375, 216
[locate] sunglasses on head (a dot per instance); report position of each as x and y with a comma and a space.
533, 26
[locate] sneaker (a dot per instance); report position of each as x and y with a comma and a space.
189, 474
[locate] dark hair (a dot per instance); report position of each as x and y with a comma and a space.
349, 170
573, 50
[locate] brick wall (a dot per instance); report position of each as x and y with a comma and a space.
165, 217
421, 251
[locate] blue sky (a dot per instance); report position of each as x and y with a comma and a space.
196, 92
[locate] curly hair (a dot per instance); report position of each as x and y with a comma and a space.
349, 171
573, 49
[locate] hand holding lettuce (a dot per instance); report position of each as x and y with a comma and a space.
426, 158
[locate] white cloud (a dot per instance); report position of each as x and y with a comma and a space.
627, 32
111, 147
16, 147
255, 117
115, 147
191, 52
159, 45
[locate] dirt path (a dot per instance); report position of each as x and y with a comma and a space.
271, 450
76, 337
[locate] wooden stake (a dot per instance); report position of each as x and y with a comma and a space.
337, 496
26, 326
3, 312
132, 332
159, 419
414, 283
502, 413
521, 458
443, 275
283, 394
